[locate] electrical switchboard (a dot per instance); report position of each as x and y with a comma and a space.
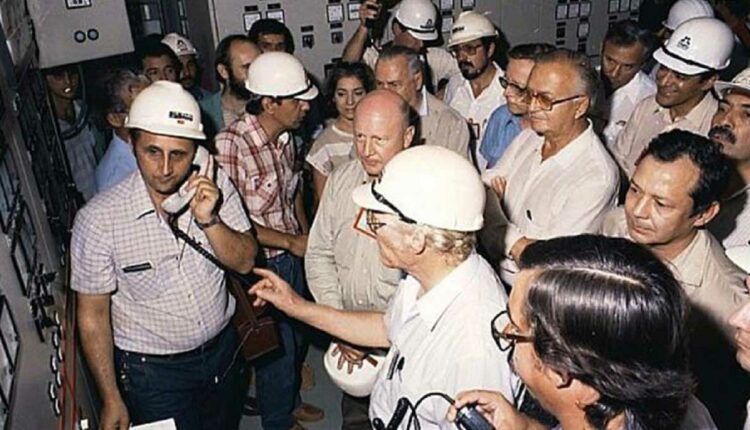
321, 28
70, 31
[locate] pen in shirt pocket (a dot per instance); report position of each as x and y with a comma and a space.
139, 267
528, 215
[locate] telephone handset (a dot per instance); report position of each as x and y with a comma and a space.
177, 201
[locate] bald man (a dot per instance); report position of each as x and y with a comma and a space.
342, 264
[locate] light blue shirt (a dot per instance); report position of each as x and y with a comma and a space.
117, 163
502, 128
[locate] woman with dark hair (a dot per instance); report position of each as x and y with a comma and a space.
595, 329
347, 84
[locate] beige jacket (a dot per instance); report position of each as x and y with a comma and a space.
714, 285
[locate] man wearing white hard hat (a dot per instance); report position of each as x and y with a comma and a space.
689, 63
258, 152
153, 313
413, 26
424, 212
342, 265
190, 73
681, 11
476, 92
731, 129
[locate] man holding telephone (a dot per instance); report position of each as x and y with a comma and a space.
153, 313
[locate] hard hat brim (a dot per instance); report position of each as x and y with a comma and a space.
168, 130
721, 86
362, 196
310, 94
675, 64
460, 40
428, 36
307, 94
667, 25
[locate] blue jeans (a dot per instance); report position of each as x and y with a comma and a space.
277, 376
202, 390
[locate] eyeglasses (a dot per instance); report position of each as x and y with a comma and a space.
380, 198
505, 340
544, 102
466, 49
510, 86
372, 221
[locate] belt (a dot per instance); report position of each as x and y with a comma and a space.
206, 347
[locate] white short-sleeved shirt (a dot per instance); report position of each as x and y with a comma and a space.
476, 110
442, 341
566, 194
166, 298
622, 103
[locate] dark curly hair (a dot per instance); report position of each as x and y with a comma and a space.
607, 312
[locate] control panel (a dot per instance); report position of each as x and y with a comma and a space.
70, 31
321, 28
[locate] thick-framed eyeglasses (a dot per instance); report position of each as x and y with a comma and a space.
372, 221
544, 102
505, 340
380, 198
468, 49
511, 87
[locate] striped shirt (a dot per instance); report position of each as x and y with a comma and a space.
264, 172
331, 149
166, 298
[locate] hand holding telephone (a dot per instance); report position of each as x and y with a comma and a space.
177, 201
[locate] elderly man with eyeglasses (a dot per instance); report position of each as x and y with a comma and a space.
424, 212
556, 178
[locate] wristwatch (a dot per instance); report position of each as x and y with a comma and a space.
215, 219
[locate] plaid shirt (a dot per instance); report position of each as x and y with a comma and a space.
166, 298
264, 173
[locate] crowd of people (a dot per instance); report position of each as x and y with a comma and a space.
537, 238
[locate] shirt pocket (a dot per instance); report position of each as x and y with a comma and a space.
266, 193
141, 285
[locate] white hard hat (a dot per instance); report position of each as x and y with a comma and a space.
359, 383
740, 255
419, 17
166, 108
684, 10
279, 74
741, 81
430, 185
180, 45
471, 26
697, 46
